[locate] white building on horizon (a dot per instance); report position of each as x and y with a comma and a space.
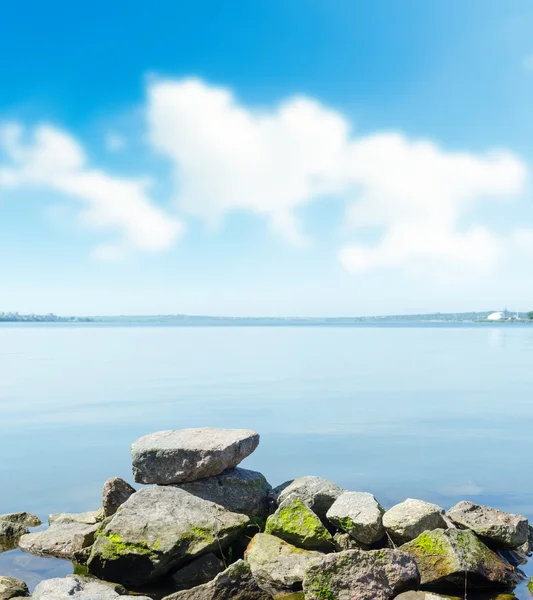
496, 316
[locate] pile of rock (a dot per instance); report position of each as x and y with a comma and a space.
209, 530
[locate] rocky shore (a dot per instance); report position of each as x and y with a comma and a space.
203, 528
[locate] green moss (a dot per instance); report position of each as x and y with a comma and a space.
116, 547
428, 544
81, 570
345, 523
320, 586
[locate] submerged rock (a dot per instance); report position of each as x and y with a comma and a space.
75, 587
158, 529
360, 575
22, 518
448, 556
237, 490
61, 540
407, 520
86, 518
317, 493
185, 455
360, 515
115, 492
235, 583
278, 566
199, 571
492, 525
12, 588
297, 524
10, 534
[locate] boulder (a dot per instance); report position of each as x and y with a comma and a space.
167, 457
424, 596
116, 491
61, 540
344, 541
278, 566
86, 518
407, 520
237, 490
446, 557
317, 493
75, 587
197, 572
493, 526
22, 518
297, 524
159, 529
10, 533
12, 588
235, 583
360, 515
360, 575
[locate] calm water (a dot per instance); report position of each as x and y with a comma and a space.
438, 412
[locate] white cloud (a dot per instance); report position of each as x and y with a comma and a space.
54, 160
228, 157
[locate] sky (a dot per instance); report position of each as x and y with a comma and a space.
278, 157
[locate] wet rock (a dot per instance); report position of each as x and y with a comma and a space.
235, 583
317, 493
86, 518
360, 575
10, 533
297, 524
22, 518
12, 588
407, 520
75, 587
61, 540
116, 491
237, 490
186, 455
159, 529
493, 526
358, 514
445, 557
278, 566
199, 571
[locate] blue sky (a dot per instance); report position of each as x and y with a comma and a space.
282, 157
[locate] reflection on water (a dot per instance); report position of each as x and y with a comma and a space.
442, 413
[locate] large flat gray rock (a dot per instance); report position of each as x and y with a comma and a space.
184, 455
75, 587
279, 567
235, 583
61, 540
158, 529
358, 514
407, 520
361, 575
494, 526
238, 490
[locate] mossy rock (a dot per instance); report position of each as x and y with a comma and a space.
297, 524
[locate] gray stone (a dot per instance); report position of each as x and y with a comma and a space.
10, 533
116, 491
297, 524
167, 457
317, 493
61, 540
447, 556
238, 490
360, 515
360, 575
235, 583
75, 587
22, 518
494, 526
199, 571
430, 596
86, 518
407, 520
278, 566
344, 541
159, 529
12, 588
